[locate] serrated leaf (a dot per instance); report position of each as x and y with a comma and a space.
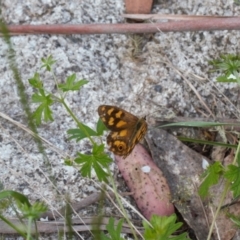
34, 211
114, 232
43, 110
35, 81
79, 134
16, 195
233, 175
19, 199
68, 162
47, 63
230, 66
162, 228
71, 85
98, 149
98, 160
212, 175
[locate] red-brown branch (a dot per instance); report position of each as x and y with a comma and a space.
229, 23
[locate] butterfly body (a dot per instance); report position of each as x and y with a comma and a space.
126, 129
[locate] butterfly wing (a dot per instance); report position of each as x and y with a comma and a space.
116, 118
122, 144
138, 133
127, 129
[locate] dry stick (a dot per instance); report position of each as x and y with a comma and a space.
55, 226
79, 225
232, 23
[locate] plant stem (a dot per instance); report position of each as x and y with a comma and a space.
80, 125
29, 228
121, 205
225, 191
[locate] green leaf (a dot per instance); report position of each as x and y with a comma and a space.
15, 195
163, 228
236, 75
234, 219
79, 134
43, 110
233, 175
47, 63
212, 175
229, 65
101, 127
71, 85
18, 229
226, 79
25, 210
114, 233
68, 162
34, 211
238, 158
36, 81
98, 160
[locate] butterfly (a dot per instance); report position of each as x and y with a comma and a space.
126, 129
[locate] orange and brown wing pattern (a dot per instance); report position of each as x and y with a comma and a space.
138, 135
126, 129
116, 118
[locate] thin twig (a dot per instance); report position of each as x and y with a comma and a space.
55, 226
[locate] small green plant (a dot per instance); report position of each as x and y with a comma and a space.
28, 213
229, 66
230, 173
163, 228
114, 233
97, 160
231, 177
217, 172
211, 177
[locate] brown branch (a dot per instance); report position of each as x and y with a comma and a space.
228, 23
79, 225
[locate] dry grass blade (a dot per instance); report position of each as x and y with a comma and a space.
26, 129
191, 86
56, 226
170, 17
